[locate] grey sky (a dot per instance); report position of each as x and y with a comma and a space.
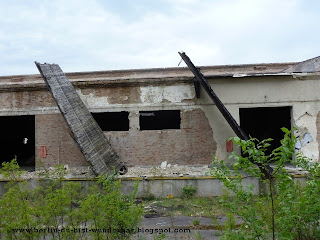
91, 35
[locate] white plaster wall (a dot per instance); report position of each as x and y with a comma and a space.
173, 94
265, 90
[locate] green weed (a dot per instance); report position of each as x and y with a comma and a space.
61, 205
188, 191
286, 210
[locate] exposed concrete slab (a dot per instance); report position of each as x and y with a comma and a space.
155, 182
158, 187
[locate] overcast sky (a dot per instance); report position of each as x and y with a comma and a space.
91, 35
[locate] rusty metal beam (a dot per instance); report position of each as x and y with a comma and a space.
266, 170
233, 124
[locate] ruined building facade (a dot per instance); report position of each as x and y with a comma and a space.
153, 115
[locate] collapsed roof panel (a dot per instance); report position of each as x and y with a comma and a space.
308, 66
93, 143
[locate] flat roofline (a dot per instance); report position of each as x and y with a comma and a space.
211, 70
156, 76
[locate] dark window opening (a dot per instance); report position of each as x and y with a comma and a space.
159, 120
112, 121
265, 122
18, 140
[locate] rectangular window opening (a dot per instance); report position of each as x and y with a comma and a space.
265, 122
159, 120
18, 140
112, 121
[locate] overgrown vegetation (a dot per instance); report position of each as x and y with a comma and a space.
287, 209
63, 210
195, 207
188, 191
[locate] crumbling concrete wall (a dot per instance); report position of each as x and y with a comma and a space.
192, 144
203, 129
269, 91
306, 120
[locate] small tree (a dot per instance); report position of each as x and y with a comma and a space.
286, 210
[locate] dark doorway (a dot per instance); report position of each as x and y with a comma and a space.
265, 122
159, 120
18, 140
112, 121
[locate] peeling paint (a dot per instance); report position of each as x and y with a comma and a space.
298, 145
306, 133
307, 139
173, 94
92, 100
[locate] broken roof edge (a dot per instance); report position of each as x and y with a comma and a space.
308, 66
36, 85
141, 76
169, 71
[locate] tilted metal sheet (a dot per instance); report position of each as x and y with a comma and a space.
93, 143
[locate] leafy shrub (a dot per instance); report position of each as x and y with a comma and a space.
64, 205
188, 191
287, 210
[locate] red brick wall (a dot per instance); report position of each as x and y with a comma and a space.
193, 144
52, 131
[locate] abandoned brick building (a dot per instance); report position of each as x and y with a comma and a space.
154, 115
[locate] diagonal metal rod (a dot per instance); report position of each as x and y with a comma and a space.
266, 170
233, 124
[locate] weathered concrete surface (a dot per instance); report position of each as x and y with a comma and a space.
159, 187
159, 181
172, 94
